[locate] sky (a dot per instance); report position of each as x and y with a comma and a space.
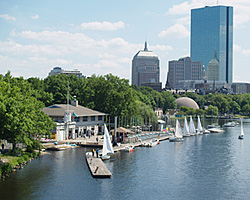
101, 37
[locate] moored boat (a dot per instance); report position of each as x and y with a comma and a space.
192, 130
216, 130
199, 127
230, 124
107, 147
129, 148
178, 136
186, 128
241, 136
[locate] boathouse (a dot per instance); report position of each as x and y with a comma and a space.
75, 121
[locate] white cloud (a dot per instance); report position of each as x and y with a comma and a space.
35, 17
104, 26
35, 53
175, 31
7, 17
241, 9
239, 49
183, 20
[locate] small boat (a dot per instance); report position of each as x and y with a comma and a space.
241, 136
60, 147
213, 126
205, 131
178, 137
129, 148
230, 124
186, 128
192, 129
199, 127
153, 143
144, 144
216, 130
107, 146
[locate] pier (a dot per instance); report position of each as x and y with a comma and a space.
97, 167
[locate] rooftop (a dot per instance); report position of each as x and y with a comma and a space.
60, 109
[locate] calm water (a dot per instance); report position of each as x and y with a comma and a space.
214, 166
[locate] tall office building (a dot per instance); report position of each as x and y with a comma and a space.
145, 69
212, 29
183, 69
213, 69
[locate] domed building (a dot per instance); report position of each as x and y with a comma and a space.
187, 102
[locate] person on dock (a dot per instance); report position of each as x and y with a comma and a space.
97, 151
97, 139
93, 153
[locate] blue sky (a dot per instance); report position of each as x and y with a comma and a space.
101, 37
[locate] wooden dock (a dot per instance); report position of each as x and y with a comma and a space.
97, 167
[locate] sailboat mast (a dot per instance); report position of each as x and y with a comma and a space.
67, 114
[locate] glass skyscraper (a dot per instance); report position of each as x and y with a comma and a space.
212, 30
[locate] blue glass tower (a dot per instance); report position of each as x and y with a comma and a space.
212, 30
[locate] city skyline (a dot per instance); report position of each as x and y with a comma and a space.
102, 37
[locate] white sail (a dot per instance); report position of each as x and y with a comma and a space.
191, 126
178, 130
186, 127
199, 127
242, 131
107, 146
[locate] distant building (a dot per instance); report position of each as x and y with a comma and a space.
59, 70
80, 121
212, 29
186, 102
241, 88
183, 69
145, 69
213, 69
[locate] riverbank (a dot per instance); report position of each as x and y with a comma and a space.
10, 163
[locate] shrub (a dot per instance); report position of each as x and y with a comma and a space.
20, 160
26, 157
6, 168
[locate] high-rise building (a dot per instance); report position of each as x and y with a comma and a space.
145, 69
212, 29
183, 69
213, 69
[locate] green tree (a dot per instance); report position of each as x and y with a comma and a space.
246, 109
168, 101
212, 110
21, 117
234, 107
199, 112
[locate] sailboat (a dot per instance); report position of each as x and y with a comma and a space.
186, 128
192, 130
199, 127
241, 136
107, 146
178, 137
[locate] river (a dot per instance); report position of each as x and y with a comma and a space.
214, 166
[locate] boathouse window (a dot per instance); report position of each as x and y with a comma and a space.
85, 119
99, 118
76, 119
93, 118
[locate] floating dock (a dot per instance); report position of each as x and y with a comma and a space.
97, 167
